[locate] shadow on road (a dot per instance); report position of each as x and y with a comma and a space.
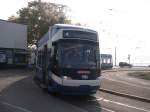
12, 72
25, 94
89, 103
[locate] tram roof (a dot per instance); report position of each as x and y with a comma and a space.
68, 26
63, 26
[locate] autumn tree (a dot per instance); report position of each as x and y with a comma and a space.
38, 16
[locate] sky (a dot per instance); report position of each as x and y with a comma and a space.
123, 24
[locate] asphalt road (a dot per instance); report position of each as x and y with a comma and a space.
18, 93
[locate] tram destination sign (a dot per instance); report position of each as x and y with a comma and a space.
80, 34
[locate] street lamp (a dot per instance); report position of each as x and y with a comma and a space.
115, 55
129, 57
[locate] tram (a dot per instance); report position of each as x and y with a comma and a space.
68, 60
106, 61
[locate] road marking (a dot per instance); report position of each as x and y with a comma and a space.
122, 104
16, 107
99, 99
127, 83
107, 109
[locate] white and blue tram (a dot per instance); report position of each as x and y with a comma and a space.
106, 61
68, 60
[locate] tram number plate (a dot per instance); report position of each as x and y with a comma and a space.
84, 77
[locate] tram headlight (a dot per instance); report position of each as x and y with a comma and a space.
66, 77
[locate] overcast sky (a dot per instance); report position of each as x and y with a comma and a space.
121, 23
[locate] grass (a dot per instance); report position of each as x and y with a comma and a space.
141, 75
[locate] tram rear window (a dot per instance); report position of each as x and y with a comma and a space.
79, 34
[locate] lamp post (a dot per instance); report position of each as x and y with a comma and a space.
129, 57
115, 56
115, 41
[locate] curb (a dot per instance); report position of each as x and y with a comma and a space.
105, 71
125, 95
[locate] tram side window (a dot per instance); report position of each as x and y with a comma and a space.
102, 60
49, 57
55, 61
109, 60
105, 60
39, 58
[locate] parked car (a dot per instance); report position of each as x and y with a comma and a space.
125, 64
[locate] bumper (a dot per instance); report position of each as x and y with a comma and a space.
80, 90
73, 90
74, 87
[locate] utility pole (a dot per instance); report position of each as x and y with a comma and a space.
129, 57
115, 56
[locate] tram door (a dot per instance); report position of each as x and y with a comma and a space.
45, 62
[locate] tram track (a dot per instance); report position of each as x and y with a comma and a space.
127, 92
125, 95
107, 102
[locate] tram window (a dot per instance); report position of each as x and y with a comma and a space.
111, 61
108, 61
90, 55
55, 61
102, 60
57, 55
38, 61
105, 61
39, 58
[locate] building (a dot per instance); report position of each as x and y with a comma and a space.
13, 43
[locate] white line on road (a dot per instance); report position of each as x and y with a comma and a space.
16, 107
127, 83
122, 104
108, 110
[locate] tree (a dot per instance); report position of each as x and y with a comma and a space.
38, 16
